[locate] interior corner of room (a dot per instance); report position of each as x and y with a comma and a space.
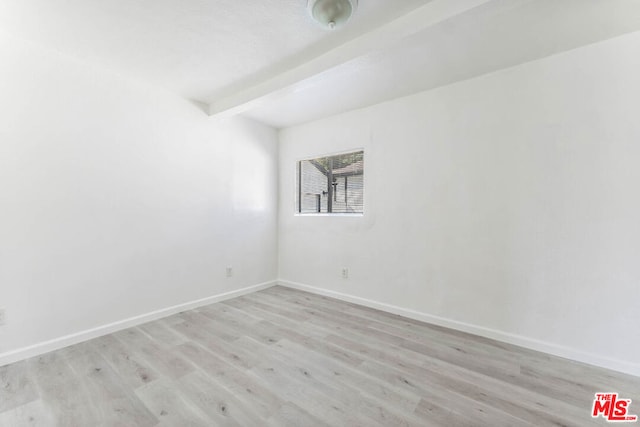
500, 145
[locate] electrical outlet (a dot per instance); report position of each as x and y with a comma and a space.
229, 271
3, 316
345, 273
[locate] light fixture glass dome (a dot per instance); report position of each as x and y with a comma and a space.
332, 13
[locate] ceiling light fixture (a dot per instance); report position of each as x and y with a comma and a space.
332, 13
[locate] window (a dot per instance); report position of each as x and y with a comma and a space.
332, 184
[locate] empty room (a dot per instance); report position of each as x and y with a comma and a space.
319, 213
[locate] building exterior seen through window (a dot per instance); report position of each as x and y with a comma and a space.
331, 184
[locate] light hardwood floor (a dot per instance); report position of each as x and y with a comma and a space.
282, 357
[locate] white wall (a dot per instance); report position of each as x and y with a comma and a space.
506, 205
117, 199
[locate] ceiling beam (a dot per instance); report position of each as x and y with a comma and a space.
290, 79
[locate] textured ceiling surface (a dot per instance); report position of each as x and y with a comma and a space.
268, 60
196, 48
493, 36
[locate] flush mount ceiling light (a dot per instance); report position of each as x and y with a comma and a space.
332, 13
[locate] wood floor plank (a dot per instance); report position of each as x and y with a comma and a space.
386, 405
291, 415
63, 392
157, 354
284, 357
469, 381
160, 332
169, 404
221, 405
16, 386
351, 378
33, 414
297, 385
112, 400
225, 351
238, 380
133, 371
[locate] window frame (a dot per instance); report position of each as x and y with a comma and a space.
298, 187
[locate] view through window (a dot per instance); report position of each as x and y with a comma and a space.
332, 184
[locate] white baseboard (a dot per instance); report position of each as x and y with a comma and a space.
519, 340
58, 343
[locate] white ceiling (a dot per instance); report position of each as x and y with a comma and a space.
490, 37
196, 48
268, 60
